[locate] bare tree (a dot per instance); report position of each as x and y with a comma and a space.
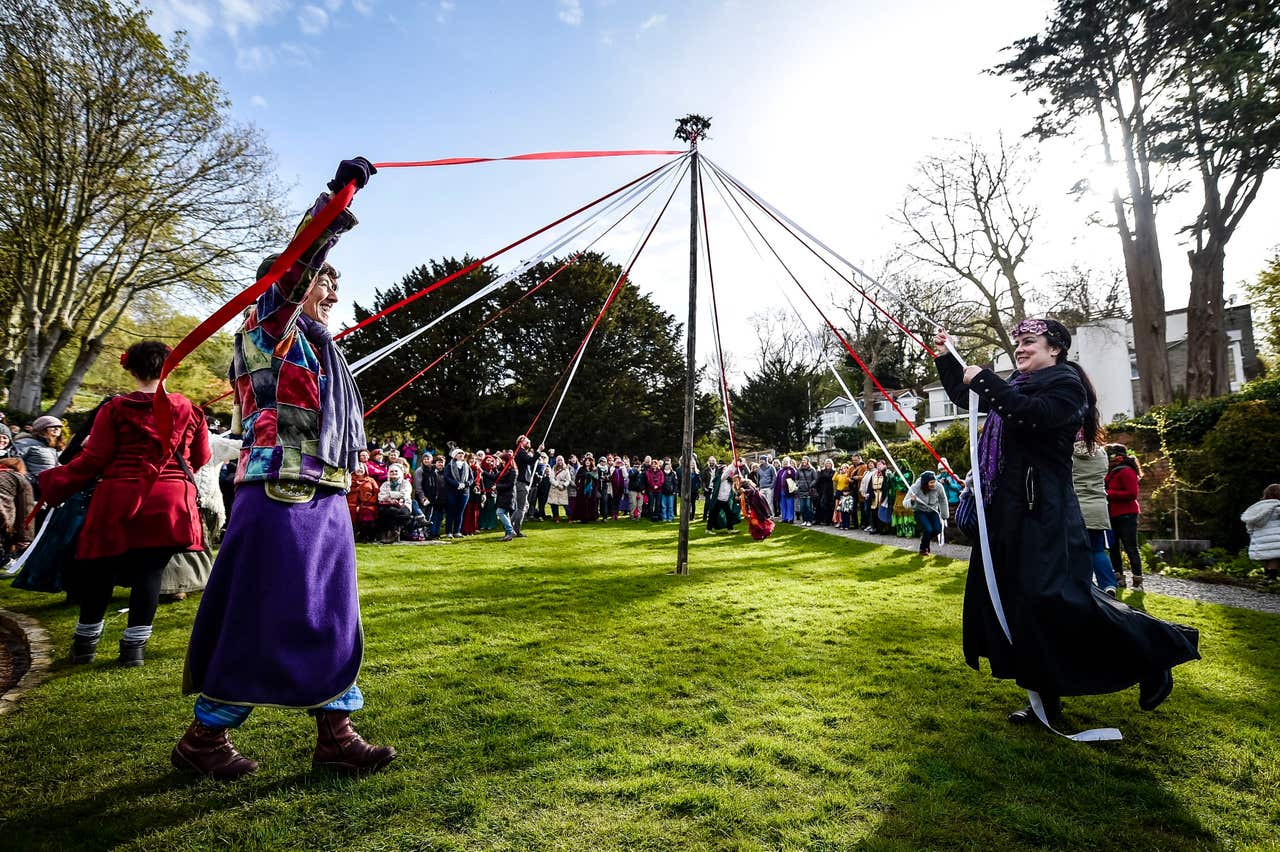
1081, 294
119, 174
968, 223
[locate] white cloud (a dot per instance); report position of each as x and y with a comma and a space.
570, 12
296, 54
240, 15
653, 21
190, 16
258, 102
312, 19
259, 57
446, 6
364, 7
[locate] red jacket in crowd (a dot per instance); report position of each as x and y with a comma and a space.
1122, 491
135, 505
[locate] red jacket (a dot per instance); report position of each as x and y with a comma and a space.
1122, 491
135, 505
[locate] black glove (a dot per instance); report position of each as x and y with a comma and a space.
358, 169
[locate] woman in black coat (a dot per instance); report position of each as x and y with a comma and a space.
824, 494
1068, 638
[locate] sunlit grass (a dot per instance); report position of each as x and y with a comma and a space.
565, 691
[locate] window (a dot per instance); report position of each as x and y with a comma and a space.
948, 409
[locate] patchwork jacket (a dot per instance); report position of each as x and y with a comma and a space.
277, 376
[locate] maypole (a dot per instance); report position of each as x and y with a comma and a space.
690, 129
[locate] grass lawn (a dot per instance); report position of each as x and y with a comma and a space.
565, 692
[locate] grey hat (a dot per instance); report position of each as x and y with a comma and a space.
44, 421
5, 431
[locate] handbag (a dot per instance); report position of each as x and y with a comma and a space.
791, 486
967, 514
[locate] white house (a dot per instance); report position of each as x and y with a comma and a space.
842, 411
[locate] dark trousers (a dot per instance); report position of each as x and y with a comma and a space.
718, 509
1125, 528
930, 526
457, 503
142, 567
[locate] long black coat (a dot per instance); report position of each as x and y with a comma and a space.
1068, 637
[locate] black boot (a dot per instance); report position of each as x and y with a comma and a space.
84, 649
132, 652
1025, 716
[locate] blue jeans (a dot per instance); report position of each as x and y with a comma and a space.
1103, 573
437, 516
804, 509
786, 506
215, 714
668, 507
930, 526
504, 517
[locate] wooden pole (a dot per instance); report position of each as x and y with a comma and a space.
690, 383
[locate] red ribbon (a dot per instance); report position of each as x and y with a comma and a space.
544, 155
313, 231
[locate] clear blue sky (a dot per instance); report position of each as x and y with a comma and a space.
823, 107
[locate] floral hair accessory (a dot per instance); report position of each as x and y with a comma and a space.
124, 359
1052, 330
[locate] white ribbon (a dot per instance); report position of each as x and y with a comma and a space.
26, 554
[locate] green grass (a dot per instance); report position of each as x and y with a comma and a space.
565, 692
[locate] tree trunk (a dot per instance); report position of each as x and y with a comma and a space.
1206, 324
88, 354
869, 399
1146, 295
26, 389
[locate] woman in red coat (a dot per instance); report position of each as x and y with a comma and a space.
143, 510
1122, 505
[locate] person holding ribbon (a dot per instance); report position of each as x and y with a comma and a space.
1065, 636
279, 622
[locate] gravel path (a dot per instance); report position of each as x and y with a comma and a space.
1174, 588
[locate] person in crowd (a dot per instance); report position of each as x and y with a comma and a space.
874, 486
558, 497
929, 503
541, 487
695, 486
395, 503
1262, 521
16, 503
409, 452
458, 479
636, 489
471, 517
505, 491
806, 477
785, 489
670, 485
376, 466
1123, 474
824, 503
708, 497
839, 487
654, 480
362, 503
489, 470
588, 481
188, 571
433, 493
288, 552
766, 476
617, 487
526, 461
755, 508
857, 470
1089, 480
1066, 636
949, 483
6, 444
39, 449
574, 467
896, 488
143, 509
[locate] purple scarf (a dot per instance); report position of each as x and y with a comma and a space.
991, 446
341, 409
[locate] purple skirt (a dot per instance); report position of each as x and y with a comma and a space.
279, 621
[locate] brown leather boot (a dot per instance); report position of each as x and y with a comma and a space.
208, 751
339, 747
